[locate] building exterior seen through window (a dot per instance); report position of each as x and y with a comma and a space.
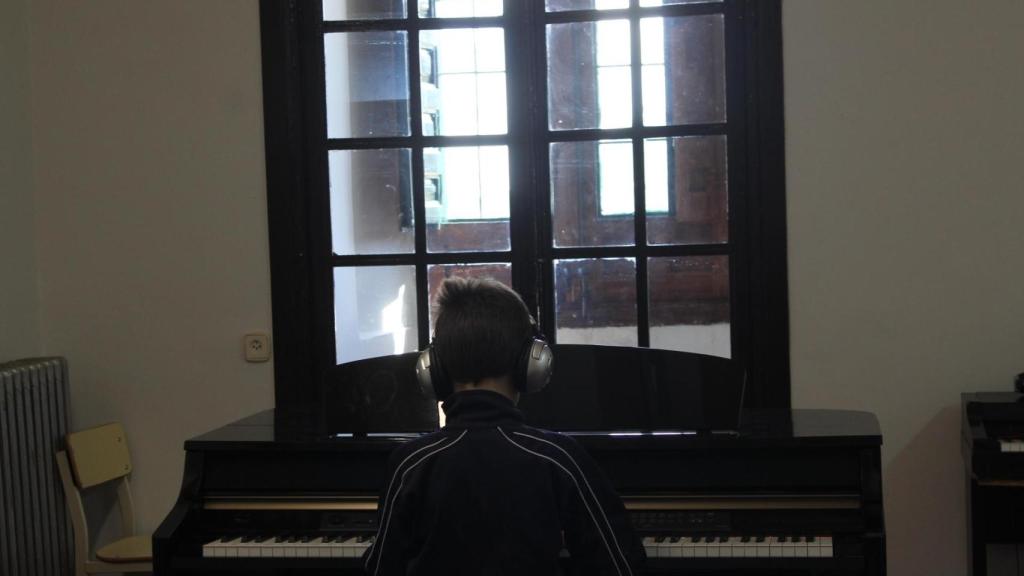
612, 129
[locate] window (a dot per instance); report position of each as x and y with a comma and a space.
617, 161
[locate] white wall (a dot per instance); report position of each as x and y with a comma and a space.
904, 133
904, 205
19, 323
152, 228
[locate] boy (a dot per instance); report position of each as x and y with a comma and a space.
487, 494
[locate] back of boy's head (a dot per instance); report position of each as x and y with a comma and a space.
480, 329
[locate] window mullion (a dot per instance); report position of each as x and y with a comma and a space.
419, 205
639, 200
520, 45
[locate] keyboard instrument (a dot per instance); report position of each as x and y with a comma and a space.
789, 492
992, 444
256, 500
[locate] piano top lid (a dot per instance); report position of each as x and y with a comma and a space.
266, 429
980, 407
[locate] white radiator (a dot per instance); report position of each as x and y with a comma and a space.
35, 536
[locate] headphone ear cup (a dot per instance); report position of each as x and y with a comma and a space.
423, 372
442, 385
536, 366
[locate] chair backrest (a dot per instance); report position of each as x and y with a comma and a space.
98, 455
93, 457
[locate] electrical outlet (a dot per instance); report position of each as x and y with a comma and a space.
257, 347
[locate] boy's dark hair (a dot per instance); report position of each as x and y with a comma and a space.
480, 329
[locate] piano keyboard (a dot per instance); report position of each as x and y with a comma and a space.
1011, 445
339, 546
738, 546
353, 546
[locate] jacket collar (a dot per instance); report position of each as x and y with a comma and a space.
479, 409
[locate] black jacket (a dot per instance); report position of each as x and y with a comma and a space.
489, 495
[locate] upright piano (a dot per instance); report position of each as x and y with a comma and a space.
992, 444
793, 492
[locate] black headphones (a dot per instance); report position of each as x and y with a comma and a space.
530, 374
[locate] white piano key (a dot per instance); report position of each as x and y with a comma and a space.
651, 547
353, 549
324, 548
279, 549
264, 549
675, 549
333, 549
212, 549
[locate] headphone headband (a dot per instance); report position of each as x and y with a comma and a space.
531, 373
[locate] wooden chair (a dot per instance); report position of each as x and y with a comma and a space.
97, 456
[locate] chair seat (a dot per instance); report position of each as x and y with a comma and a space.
131, 549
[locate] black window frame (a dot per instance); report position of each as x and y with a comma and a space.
299, 231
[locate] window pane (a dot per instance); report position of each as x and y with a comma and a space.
374, 311
462, 81
588, 75
683, 71
371, 201
595, 301
656, 151
363, 9
367, 84
592, 193
689, 302
560, 5
459, 8
686, 190
466, 195
437, 273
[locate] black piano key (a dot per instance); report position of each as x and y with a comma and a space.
695, 539
745, 539
709, 539
307, 538
674, 539
293, 539
795, 539
262, 539
248, 538
810, 538
229, 538
364, 537
782, 538
659, 539
723, 539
